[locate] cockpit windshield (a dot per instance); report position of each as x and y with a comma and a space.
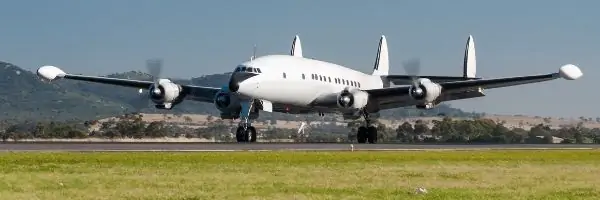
242, 68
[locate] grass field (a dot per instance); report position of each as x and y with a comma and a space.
552, 174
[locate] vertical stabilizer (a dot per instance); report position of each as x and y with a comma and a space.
470, 61
296, 47
382, 62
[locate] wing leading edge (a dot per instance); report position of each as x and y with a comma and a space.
397, 95
197, 93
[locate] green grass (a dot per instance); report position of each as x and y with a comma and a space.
552, 174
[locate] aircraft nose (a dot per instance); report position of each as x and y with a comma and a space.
234, 85
237, 78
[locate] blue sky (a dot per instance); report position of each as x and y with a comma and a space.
205, 37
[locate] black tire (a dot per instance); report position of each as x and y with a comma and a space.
239, 134
252, 133
372, 134
361, 135
246, 134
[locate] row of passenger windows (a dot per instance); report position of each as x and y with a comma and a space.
329, 79
247, 69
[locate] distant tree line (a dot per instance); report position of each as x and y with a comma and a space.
446, 130
483, 130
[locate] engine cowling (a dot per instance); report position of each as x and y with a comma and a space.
165, 93
352, 98
426, 91
228, 104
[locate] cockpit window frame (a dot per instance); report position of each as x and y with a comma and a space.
243, 68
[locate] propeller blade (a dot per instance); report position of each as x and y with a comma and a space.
154, 68
140, 101
412, 68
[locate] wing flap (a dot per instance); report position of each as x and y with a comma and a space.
406, 79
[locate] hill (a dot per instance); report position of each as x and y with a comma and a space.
25, 96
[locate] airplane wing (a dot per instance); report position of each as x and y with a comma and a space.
399, 96
406, 79
197, 93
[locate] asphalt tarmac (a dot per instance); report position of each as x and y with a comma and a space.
55, 146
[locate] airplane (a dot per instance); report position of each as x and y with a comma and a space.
298, 85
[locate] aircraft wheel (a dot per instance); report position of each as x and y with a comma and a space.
252, 133
372, 134
361, 136
241, 135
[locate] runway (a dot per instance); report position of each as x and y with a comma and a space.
64, 146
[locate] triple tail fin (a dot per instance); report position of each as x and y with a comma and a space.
296, 47
470, 61
382, 62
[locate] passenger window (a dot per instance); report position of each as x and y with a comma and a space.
284, 76
320, 78
258, 70
249, 69
243, 69
329, 78
303, 77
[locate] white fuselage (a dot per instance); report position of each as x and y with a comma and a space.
299, 81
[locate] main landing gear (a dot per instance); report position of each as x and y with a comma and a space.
245, 131
367, 133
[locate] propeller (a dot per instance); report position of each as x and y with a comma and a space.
412, 68
154, 69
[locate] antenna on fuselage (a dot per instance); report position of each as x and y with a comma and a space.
253, 53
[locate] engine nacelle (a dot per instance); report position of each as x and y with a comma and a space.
426, 91
353, 98
165, 94
228, 104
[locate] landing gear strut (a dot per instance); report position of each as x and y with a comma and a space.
367, 133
